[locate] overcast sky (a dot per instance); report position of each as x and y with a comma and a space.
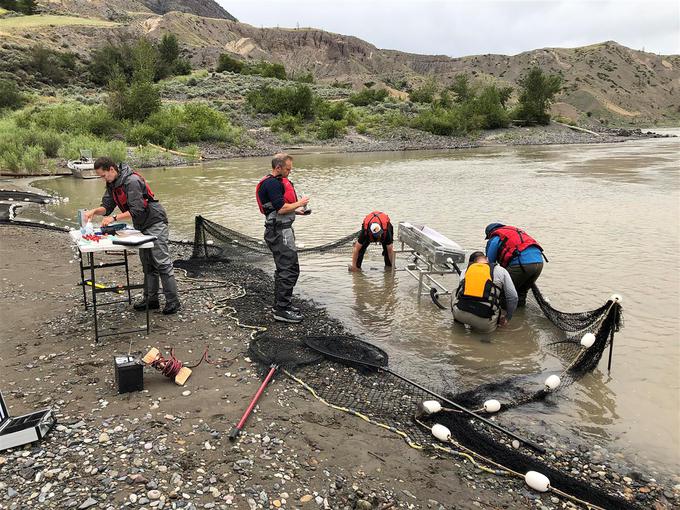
467, 27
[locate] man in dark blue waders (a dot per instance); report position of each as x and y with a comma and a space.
518, 252
129, 191
278, 201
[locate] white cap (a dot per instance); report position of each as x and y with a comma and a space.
375, 227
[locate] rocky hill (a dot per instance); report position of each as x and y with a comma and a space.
120, 9
605, 81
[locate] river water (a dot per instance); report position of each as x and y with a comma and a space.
607, 216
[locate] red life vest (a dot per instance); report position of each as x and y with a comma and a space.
289, 195
376, 217
513, 242
120, 197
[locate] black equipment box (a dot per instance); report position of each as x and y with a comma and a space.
129, 374
25, 429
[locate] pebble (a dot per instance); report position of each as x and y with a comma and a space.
104, 437
87, 503
186, 393
154, 494
306, 498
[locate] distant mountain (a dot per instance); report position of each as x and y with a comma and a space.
604, 81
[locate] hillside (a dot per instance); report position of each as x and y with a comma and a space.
602, 82
120, 9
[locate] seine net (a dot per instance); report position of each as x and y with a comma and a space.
212, 240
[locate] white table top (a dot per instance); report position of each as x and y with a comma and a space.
104, 244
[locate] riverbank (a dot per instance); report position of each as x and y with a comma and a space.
265, 143
166, 447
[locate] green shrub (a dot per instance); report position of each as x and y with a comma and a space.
32, 159
538, 91
50, 66
105, 62
297, 100
135, 102
368, 96
69, 117
487, 105
192, 122
22, 6
440, 121
424, 94
22, 159
182, 67
331, 129
141, 134
10, 158
265, 69
48, 140
305, 78
335, 110
10, 97
72, 145
287, 124
226, 63
138, 60
362, 128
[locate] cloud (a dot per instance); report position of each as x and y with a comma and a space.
459, 28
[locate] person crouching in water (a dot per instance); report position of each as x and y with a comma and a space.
129, 191
376, 228
478, 298
517, 251
278, 201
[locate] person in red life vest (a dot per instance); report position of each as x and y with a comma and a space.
486, 297
518, 252
376, 228
279, 203
130, 192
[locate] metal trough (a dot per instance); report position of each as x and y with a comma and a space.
433, 255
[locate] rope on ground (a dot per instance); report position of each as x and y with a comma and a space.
219, 305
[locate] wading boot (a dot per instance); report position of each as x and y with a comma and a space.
288, 316
141, 306
291, 308
172, 308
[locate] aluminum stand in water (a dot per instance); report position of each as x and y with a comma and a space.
433, 255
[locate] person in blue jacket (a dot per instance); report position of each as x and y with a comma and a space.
518, 252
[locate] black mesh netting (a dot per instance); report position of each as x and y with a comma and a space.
212, 240
287, 354
517, 391
349, 349
383, 398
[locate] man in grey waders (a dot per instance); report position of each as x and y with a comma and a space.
278, 201
130, 192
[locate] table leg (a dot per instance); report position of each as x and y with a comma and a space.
127, 276
94, 296
146, 298
82, 279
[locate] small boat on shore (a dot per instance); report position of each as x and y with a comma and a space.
83, 167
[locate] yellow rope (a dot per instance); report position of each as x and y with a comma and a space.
403, 435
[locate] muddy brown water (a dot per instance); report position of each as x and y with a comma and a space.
607, 216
